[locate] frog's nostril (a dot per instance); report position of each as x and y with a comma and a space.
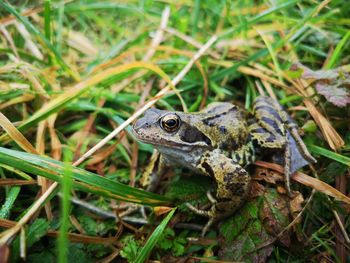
141, 123
137, 124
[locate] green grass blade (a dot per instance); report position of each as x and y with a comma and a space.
10, 199
32, 29
329, 154
16, 171
195, 16
84, 180
79, 7
257, 18
59, 30
63, 242
47, 22
47, 19
337, 52
152, 241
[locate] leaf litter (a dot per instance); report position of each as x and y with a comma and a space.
333, 84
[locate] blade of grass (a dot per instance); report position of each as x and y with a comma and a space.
81, 7
47, 22
10, 199
195, 16
16, 135
257, 18
329, 154
337, 52
153, 239
47, 19
272, 54
16, 171
8, 234
59, 29
62, 241
85, 181
326, 246
31, 28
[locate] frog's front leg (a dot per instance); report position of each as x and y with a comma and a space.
154, 171
232, 183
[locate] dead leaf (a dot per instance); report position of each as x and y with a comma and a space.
332, 84
160, 210
4, 253
256, 189
336, 95
296, 203
309, 181
267, 175
281, 189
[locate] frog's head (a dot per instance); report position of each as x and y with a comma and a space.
166, 129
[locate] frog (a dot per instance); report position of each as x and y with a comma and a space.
222, 141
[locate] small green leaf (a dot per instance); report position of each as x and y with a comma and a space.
130, 248
36, 231
169, 241
152, 241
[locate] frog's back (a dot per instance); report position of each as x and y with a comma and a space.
225, 124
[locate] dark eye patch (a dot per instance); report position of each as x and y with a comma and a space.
191, 134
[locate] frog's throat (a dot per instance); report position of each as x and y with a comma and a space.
183, 146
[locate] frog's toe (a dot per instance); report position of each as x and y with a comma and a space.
211, 213
211, 198
207, 226
200, 212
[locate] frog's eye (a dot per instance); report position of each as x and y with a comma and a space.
170, 122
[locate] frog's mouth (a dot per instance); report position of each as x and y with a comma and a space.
158, 141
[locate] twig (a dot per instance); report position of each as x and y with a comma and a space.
159, 34
190, 40
341, 226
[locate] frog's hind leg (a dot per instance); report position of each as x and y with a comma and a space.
273, 117
293, 129
275, 129
232, 183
